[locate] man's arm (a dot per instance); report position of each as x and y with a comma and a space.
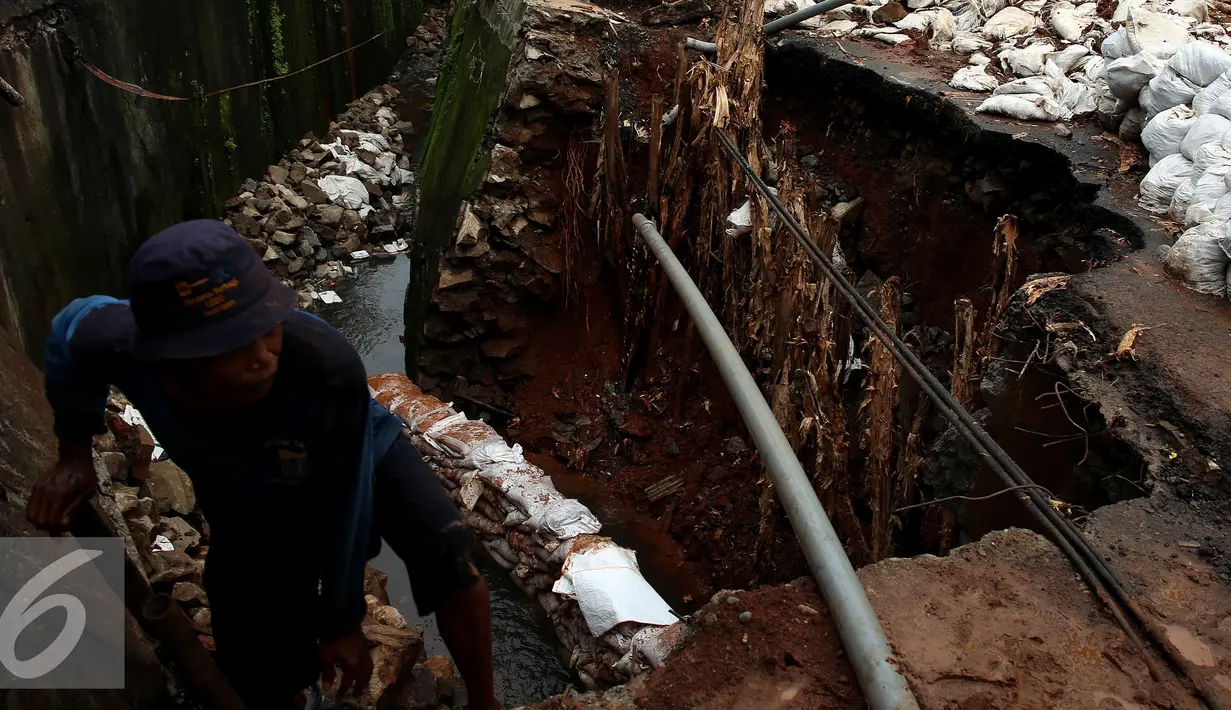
77, 391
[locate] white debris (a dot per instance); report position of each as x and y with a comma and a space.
1165, 132
1208, 129
1027, 61
965, 42
1009, 22
890, 38
359, 254
1159, 34
1200, 62
1199, 258
973, 78
839, 28
346, 191
330, 297
1070, 21
1160, 184
1127, 76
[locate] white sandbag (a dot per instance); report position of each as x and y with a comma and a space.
1120, 14
1116, 45
1206, 157
1167, 89
1070, 21
1159, 185
1209, 96
1126, 76
1221, 107
1009, 22
1025, 107
1208, 189
1180, 201
1094, 67
345, 191
1154, 32
1198, 259
1195, 9
968, 42
609, 588
943, 28
1027, 61
1206, 129
1200, 62
1068, 57
838, 28
1165, 132
1204, 212
1132, 124
565, 518
973, 78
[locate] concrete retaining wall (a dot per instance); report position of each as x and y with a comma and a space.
88, 171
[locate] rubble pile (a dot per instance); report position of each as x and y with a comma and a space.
508, 256
330, 198
150, 503
605, 614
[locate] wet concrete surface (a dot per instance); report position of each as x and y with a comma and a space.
527, 659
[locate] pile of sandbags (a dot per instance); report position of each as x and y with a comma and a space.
609, 618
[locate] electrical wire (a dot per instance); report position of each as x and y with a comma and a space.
1072, 543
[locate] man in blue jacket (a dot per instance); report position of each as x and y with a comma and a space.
299, 473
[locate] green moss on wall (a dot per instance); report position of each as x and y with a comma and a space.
471, 84
277, 43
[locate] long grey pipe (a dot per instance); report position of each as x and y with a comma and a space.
777, 25
883, 687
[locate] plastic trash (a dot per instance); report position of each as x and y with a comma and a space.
739, 222
1009, 22
1159, 185
359, 254
1198, 259
162, 544
1206, 129
330, 297
1126, 76
1157, 33
1200, 62
1165, 132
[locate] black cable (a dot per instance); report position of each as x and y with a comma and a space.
1075, 546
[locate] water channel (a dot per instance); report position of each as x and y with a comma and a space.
527, 659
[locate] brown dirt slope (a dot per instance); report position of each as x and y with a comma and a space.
1000, 623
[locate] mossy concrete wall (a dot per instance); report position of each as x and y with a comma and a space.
482, 37
88, 171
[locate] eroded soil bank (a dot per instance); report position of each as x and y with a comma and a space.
539, 318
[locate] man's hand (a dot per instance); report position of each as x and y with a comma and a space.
68, 484
350, 653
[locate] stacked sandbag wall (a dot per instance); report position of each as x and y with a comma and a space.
527, 527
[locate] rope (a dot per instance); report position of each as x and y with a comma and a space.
1085, 560
139, 91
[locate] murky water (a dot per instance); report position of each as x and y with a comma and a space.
525, 649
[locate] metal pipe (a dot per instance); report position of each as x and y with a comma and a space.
883, 687
795, 18
10, 94
776, 26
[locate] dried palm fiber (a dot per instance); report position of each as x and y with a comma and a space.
879, 413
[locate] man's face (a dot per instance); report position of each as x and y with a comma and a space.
238, 378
